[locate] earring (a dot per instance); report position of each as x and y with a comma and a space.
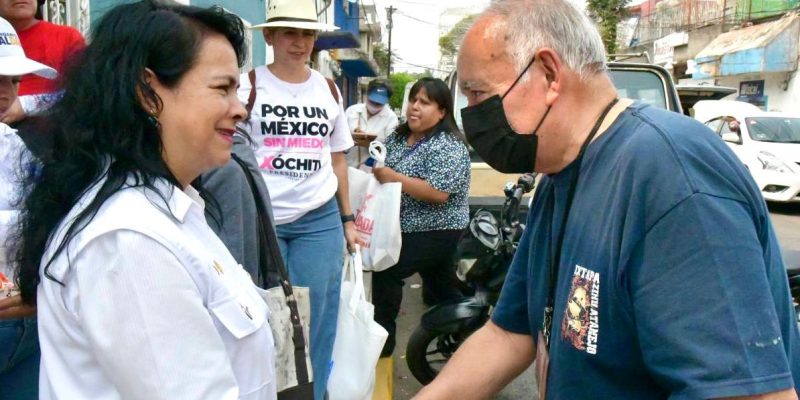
154, 120
152, 117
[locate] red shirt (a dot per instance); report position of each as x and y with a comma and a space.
51, 45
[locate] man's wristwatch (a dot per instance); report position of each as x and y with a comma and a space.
348, 218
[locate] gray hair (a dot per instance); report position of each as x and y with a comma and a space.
528, 25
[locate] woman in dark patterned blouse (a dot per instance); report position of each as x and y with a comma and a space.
428, 156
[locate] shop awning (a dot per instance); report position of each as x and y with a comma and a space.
767, 47
357, 67
340, 39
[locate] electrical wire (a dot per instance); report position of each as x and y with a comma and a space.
418, 3
400, 61
415, 18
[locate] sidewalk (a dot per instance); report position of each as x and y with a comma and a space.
404, 384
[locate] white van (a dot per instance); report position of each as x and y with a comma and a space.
403, 109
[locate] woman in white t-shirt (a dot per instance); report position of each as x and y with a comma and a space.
300, 130
137, 297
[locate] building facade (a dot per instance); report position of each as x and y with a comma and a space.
344, 55
750, 45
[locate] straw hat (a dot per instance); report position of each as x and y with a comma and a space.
301, 14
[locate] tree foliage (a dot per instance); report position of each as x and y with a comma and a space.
607, 13
448, 44
399, 81
381, 56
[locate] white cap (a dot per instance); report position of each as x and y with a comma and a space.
12, 58
301, 14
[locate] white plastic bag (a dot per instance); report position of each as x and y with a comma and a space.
359, 339
377, 212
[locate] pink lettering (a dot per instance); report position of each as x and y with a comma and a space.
364, 224
267, 164
301, 143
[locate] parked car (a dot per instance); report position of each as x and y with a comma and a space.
768, 143
691, 94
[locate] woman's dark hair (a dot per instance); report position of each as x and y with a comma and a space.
438, 92
101, 126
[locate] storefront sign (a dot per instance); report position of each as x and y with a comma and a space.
751, 88
664, 48
753, 92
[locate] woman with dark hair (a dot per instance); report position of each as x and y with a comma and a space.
428, 156
137, 297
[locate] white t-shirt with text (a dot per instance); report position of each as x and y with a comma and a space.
295, 127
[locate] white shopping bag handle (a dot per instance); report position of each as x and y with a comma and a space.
377, 151
356, 272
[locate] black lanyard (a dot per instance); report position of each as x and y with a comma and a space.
547, 322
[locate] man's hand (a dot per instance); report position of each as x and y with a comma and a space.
13, 114
13, 308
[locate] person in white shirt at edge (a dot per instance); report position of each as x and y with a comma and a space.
299, 128
137, 297
371, 120
19, 352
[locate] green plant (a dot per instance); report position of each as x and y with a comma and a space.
607, 14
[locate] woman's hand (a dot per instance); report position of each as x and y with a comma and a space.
385, 174
13, 308
352, 237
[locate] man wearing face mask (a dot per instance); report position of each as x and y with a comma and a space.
371, 120
643, 215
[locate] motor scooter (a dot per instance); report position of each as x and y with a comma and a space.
483, 256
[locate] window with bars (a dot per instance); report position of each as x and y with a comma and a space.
74, 13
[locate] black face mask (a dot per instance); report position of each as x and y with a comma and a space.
489, 133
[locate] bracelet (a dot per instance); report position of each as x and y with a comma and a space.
348, 218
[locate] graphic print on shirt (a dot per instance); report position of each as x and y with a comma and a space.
581, 324
292, 139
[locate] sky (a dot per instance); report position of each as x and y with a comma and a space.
415, 37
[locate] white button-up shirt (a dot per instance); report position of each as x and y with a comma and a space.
381, 124
152, 306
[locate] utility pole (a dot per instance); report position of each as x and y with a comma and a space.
389, 11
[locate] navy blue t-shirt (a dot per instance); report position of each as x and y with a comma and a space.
671, 283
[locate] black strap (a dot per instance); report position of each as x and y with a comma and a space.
268, 251
547, 322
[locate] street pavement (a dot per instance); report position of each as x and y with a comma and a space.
785, 219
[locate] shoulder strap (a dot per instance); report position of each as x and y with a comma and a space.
332, 87
269, 251
252, 98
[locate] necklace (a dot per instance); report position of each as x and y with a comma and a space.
294, 89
